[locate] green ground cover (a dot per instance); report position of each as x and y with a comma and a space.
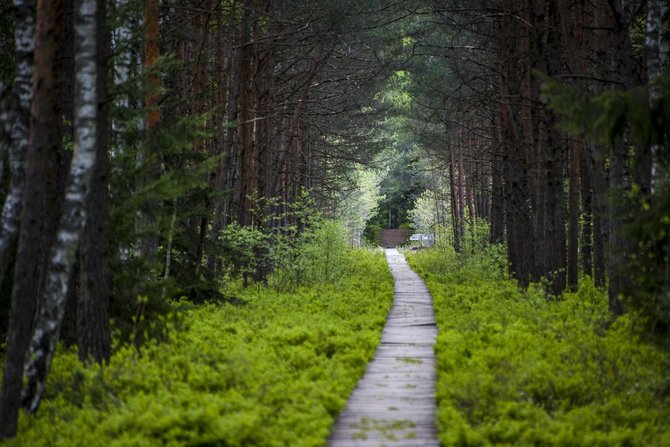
516, 368
273, 372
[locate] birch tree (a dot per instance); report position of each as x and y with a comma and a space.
5, 127
64, 249
24, 35
16, 116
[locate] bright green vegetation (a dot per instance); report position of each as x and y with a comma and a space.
275, 371
517, 368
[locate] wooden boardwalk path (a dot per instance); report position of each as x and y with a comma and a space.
394, 402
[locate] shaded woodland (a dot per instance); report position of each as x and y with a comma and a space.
152, 150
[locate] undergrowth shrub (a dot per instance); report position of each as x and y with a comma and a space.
517, 368
272, 369
308, 251
316, 255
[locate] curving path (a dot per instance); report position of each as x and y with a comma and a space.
394, 402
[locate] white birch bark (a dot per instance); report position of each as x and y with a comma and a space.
63, 252
19, 126
5, 127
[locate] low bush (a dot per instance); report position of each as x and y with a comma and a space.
518, 368
267, 369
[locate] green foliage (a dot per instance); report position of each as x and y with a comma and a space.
610, 116
477, 236
161, 174
373, 233
359, 204
314, 256
515, 368
424, 214
650, 288
402, 184
245, 246
603, 118
275, 371
312, 250
396, 93
135, 275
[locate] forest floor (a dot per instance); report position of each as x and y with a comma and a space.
512, 367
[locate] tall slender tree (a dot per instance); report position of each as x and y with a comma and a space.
93, 331
63, 252
24, 299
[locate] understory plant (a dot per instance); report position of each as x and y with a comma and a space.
264, 369
516, 367
302, 250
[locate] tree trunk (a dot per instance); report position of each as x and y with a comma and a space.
150, 211
600, 218
497, 204
93, 332
21, 99
453, 193
618, 245
573, 209
520, 237
225, 172
6, 116
658, 54
587, 215
63, 252
24, 293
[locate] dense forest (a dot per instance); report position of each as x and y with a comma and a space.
165, 162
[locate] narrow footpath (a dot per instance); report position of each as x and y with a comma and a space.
394, 402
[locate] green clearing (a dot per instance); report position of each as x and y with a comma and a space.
273, 372
516, 368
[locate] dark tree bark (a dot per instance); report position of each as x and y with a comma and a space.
600, 217
497, 204
618, 245
453, 193
150, 211
93, 333
573, 221
520, 241
657, 44
587, 215
225, 180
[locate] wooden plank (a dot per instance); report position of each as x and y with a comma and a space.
405, 350
394, 403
